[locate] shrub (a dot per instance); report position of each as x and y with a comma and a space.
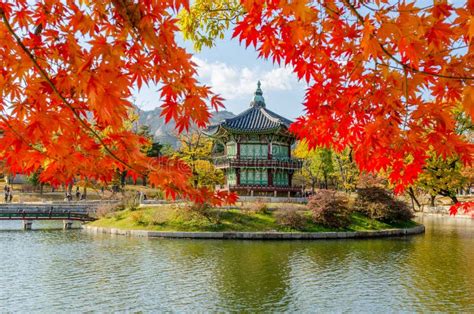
205, 210
291, 218
138, 217
158, 217
129, 201
367, 180
330, 209
259, 207
104, 210
377, 203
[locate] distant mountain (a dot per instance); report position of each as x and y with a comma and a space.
166, 133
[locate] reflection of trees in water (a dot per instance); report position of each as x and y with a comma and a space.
348, 275
434, 271
431, 272
253, 275
217, 275
442, 267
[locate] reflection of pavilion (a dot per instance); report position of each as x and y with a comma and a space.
254, 150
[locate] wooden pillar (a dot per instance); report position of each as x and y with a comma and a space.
67, 224
270, 150
27, 224
238, 150
237, 173
290, 178
270, 177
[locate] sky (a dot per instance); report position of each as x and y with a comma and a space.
233, 71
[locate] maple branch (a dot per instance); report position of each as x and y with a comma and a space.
56, 91
405, 122
21, 137
391, 56
391, 8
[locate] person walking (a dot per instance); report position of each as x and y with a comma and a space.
6, 189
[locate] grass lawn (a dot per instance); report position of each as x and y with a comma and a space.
173, 218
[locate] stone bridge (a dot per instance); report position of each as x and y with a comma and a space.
65, 211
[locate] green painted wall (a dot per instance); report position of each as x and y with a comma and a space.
251, 151
253, 177
280, 151
280, 178
231, 177
231, 149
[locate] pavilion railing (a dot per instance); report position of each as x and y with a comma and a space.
282, 163
263, 187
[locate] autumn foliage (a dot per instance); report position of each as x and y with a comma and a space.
383, 78
66, 75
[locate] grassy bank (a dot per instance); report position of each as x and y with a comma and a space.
172, 218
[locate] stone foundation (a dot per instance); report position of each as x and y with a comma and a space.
259, 235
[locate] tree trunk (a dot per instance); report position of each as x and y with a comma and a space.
454, 198
413, 198
123, 176
450, 194
432, 200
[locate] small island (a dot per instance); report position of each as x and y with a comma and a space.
373, 212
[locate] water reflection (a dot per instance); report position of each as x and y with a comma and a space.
74, 271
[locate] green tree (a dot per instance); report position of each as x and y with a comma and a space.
34, 180
442, 177
347, 174
445, 175
318, 165
195, 149
208, 20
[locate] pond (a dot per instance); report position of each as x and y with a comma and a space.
55, 270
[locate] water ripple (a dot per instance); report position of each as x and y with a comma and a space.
52, 271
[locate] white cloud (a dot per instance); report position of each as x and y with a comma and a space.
233, 83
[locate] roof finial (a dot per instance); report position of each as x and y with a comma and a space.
258, 99
259, 90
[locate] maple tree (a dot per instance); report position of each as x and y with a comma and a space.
66, 75
383, 79
446, 176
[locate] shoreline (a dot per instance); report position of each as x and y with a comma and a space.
258, 235
445, 215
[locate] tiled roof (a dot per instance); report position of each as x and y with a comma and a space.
255, 119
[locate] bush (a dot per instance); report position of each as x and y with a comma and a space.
377, 203
205, 210
330, 209
259, 207
104, 210
129, 201
158, 217
138, 217
290, 218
